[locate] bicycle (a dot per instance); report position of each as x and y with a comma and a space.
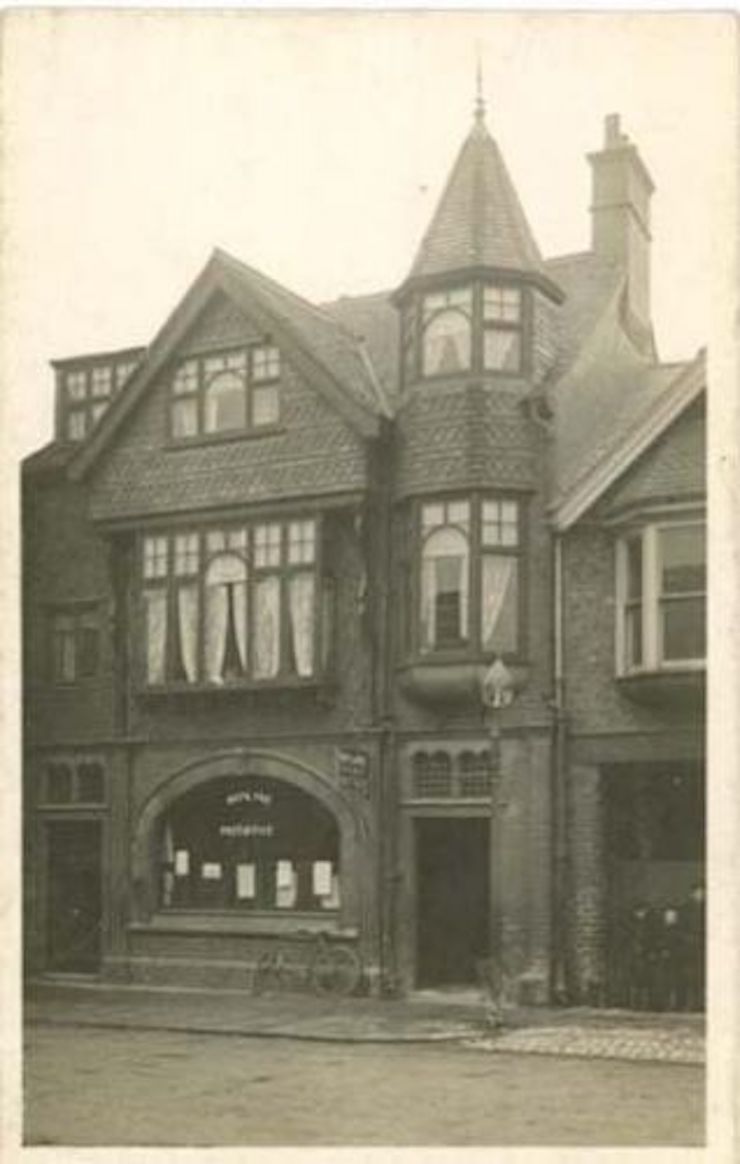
331, 968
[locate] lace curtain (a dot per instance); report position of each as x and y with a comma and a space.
301, 603
226, 599
267, 627
498, 600
156, 634
444, 571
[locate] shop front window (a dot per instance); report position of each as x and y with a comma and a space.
251, 845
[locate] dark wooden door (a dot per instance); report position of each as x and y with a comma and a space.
74, 897
452, 899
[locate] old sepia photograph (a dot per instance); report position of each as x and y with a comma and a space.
359, 367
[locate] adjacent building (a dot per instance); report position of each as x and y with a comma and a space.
381, 618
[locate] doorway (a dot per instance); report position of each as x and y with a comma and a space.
74, 896
452, 887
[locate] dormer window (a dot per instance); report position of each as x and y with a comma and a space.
86, 392
447, 334
226, 393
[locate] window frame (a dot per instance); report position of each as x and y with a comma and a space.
474, 648
205, 378
92, 403
170, 582
78, 614
652, 657
73, 764
414, 326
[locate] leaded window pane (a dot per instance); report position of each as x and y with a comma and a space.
502, 303
155, 557
186, 553
267, 545
301, 542
265, 363
102, 380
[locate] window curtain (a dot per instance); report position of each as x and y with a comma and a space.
444, 571
156, 634
498, 602
187, 616
267, 627
301, 602
224, 572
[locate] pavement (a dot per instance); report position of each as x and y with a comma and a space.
426, 1016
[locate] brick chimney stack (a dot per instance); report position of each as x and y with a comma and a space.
620, 225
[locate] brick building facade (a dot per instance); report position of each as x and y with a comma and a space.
381, 619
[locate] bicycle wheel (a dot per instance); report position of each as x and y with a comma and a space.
266, 975
336, 970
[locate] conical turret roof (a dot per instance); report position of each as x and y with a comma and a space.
479, 221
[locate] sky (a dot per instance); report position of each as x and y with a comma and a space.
315, 146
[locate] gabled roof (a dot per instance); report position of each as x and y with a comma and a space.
479, 221
326, 351
596, 443
374, 321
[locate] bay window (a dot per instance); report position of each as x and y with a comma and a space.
662, 597
235, 603
480, 327
469, 575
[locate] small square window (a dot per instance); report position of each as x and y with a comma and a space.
502, 304
267, 545
458, 513
265, 364
301, 542
500, 524
76, 383
102, 380
265, 405
155, 557
186, 554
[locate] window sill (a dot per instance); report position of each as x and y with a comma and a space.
241, 687
682, 687
454, 677
233, 922
175, 444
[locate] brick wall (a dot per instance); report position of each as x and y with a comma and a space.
63, 562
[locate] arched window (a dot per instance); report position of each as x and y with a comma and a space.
444, 588
226, 401
447, 346
249, 844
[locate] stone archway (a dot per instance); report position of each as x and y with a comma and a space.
247, 763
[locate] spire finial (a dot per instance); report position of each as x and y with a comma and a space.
480, 105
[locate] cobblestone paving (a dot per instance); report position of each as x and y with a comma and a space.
645, 1044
